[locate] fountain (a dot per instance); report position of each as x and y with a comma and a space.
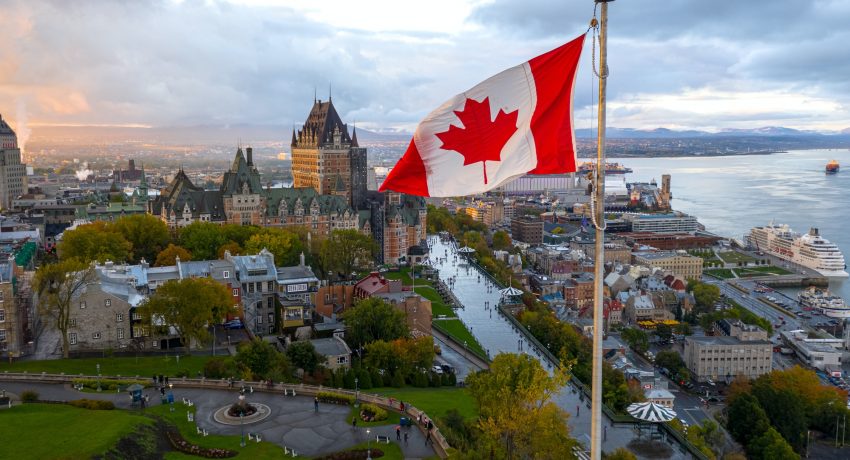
242, 412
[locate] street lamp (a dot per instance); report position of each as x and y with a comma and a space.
368, 445
171, 396
356, 392
98, 377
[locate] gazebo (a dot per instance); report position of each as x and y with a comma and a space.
650, 413
466, 250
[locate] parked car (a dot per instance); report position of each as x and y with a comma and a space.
437, 369
448, 369
233, 324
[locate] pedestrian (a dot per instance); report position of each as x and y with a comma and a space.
406, 435
428, 438
316, 403
605, 433
419, 418
397, 433
354, 422
577, 410
401, 405
430, 425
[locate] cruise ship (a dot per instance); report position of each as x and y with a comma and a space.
821, 299
610, 168
809, 250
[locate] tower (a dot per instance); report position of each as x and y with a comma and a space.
13, 173
665, 196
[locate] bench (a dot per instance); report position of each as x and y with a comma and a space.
79, 387
289, 391
190, 417
254, 437
383, 439
198, 430
188, 402
288, 451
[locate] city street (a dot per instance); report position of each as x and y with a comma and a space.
496, 334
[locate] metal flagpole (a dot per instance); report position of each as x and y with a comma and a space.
599, 256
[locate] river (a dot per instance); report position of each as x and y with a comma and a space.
730, 195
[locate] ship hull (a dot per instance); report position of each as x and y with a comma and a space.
836, 312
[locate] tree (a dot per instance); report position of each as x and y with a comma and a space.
169, 256
94, 242
303, 355
670, 360
146, 234
189, 306
746, 418
232, 247
58, 285
518, 418
664, 331
706, 295
637, 339
502, 241
346, 251
373, 319
785, 410
771, 446
263, 359
381, 355
202, 239
619, 454
285, 245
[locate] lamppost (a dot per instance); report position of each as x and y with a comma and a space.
242, 429
171, 396
368, 445
356, 392
98, 377
465, 349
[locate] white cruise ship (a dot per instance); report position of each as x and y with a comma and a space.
809, 250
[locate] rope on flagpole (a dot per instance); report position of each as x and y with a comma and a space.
601, 74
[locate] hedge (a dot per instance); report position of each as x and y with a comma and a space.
108, 384
372, 413
334, 398
92, 404
29, 396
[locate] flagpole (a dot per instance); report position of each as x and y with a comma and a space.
599, 256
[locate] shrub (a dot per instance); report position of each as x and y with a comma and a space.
372, 413
29, 396
92, 404
377, 380
107, 384
348, 380
219, 368
420, 380
334, 398
397, 380
355, 454
186, 447
365, 380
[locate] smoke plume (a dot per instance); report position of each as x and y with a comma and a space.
84, 173
21, 128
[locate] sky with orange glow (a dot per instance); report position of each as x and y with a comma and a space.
679, 64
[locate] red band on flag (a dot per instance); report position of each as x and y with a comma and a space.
408, 175
551, 124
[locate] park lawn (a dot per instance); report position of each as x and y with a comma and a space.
58, 431
143, 366
762, 270
252, 450
436, 402
458, 330
437, 305
722, 273
732, 257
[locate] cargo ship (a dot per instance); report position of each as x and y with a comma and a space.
610, 168
832, 167
823, 300
810, 250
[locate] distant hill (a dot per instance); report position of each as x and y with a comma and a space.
664, 133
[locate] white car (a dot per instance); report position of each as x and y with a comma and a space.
437, 370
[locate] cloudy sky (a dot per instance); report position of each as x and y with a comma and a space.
680, 64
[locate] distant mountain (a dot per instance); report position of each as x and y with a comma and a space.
664, 133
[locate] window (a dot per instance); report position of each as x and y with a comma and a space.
83, 304
155, 344
2, 315
120, 332
72, 322
259, 320
270, 286
271, 318
96, 336
341, 359
72, 338
1, 295
271, 329
226, 274
136, 316
271, 302
119, 317
107, 302
235, 292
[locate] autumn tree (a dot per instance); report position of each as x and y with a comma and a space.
285, 245
620, 453
58, 286
96, 241
373, 319
263, 359
169, 255
706, 295
518, 417
347, 251
636, 338
146, 234
502, 241
189, 306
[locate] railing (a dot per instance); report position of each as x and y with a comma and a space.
441, 446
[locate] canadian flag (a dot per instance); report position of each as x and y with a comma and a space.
516, 122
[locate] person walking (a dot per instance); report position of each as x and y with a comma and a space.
354, 422
398, 433
406, 435
428, 438
316, 404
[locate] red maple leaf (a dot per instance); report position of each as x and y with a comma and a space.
480, 139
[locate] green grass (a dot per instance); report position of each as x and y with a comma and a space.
252, 450
392, 451
436, 402
732, 257
59, 431
756, 271
437, 305
722, 273
458, 330
144, 366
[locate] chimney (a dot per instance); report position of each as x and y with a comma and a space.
250, 153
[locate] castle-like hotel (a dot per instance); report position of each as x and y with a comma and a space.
329, 193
